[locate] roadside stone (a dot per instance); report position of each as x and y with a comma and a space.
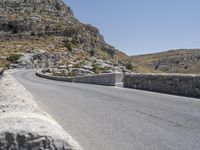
23, 125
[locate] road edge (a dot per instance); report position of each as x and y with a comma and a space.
23, 124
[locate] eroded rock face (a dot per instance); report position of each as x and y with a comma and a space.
43, 17
36, 16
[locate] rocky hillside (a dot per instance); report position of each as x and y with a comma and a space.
173, 61
28, 26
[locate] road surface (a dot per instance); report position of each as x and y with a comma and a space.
110, 118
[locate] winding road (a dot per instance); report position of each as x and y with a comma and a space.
111, 118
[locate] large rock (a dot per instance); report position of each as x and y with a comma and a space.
29, 131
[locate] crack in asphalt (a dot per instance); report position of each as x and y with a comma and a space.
173, 123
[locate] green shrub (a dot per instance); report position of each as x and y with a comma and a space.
96, 68
13, 58
92, 52
69, 46
129, 66
74, 42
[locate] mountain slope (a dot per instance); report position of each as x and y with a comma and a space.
173, 61
50, 25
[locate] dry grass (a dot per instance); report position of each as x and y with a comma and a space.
16, 46
52, 44
146, 63
4, 64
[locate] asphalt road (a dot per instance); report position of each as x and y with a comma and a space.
110, 118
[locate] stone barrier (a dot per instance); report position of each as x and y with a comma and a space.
24, 126
56, 78
177, 84
109, 79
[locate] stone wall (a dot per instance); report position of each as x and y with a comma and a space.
177, 84
56, 78
109, 79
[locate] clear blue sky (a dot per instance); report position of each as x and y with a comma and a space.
143, 26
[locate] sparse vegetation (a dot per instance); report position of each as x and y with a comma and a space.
74, 42
71, 74
4, 64
96, 68
69, 45
13, 58
129, 66
92, 52
173, 61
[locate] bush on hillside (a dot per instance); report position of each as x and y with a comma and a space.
13, 58
129, 66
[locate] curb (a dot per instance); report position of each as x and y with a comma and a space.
24, 126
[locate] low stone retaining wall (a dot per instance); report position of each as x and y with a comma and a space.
177, 84
23, 125
64, 79
109, 79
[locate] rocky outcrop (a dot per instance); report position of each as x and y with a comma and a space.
34, 16
52, 62
36, 59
